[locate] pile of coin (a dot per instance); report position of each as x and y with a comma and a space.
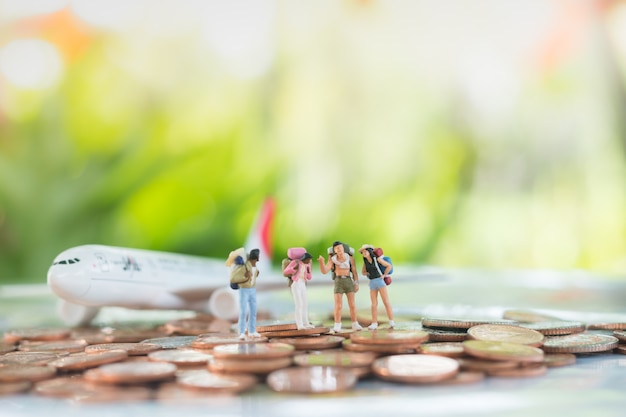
188, 359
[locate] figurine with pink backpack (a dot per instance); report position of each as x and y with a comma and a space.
297, 268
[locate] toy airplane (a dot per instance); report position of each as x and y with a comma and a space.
89, 277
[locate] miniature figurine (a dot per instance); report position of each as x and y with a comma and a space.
376, 268
342, 264
299, 271
244, 273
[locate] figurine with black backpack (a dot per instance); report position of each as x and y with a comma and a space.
341, 262
377, 268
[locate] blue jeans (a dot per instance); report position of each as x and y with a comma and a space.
247, 304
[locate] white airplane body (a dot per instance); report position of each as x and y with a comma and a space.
89, 277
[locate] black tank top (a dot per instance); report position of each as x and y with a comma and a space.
371, 268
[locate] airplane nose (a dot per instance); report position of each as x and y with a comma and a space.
69, 282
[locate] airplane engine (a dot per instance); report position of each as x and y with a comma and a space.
224, 304
76, 314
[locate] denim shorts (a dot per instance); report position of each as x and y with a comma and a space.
377, 283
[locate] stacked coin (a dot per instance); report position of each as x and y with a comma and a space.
164, 363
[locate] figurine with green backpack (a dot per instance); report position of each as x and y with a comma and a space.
377, 267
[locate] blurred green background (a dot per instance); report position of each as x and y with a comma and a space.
480, 133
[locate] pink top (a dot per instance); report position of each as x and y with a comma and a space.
298, 269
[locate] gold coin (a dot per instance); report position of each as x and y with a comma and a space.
415, 369
248, 366
311, 343
552, 360
207, 381
81, 361
536, 369
181, 357
506, 333
435, 335
132, 372
31, 373
36, 334
580, 343
526, 316
443, 323
449, 349
312, 380
66, 346
12, 388
484, 365
502, 351
133, 349
253, 351
336, 358
390, 337
554, 328
296, 333
388, 349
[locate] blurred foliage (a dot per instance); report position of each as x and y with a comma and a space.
369, 126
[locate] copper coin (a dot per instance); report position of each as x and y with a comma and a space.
580, 343
248, 366
195, 327
435, 335
67, 346
552, 328
443, 323
296, 333
207, 381
253, 351
81, 361
390, 337
312, 380
91, 335
463, 377
337, 358
275, 327
620, 349
11, 388
621, 335
132, 334
132, 372
607, 326
503, 351
36, 334
552, 360
311, 343
526, 316
350, 346
415, 369
133, 349
171, 342
449, 349
484, 365
79, 390
6, 348
520, 372
209, 342
31, 373
181, 357
30, 358
506, 333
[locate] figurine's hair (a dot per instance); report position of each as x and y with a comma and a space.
254, 254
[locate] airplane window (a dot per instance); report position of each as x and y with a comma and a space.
71, 261
63, 262
76, 260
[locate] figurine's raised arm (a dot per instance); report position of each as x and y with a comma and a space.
325, 267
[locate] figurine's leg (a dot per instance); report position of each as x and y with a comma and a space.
337, 311
243, 307
296, 292
384, 295
352, 306
374, 301
252, 315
